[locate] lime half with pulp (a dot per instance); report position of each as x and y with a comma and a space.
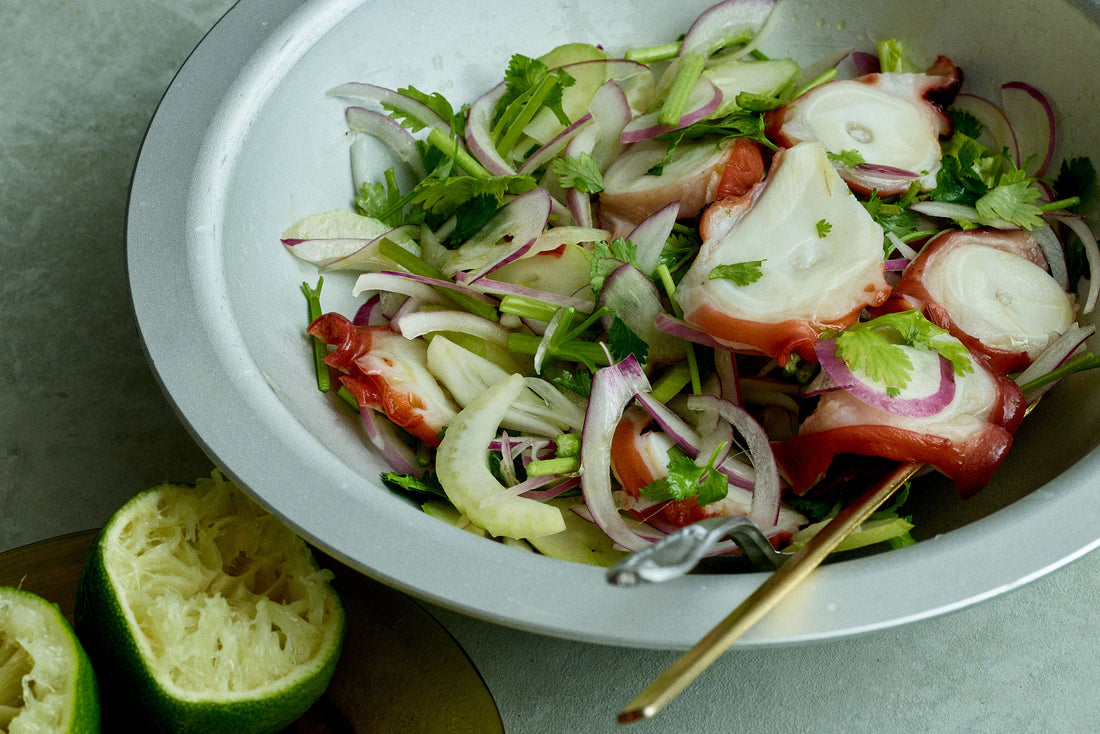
202, 612
46, 680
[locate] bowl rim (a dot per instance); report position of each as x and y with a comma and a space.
196, 353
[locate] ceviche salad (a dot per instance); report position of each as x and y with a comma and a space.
618, 293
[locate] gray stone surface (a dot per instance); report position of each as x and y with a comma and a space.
83, 426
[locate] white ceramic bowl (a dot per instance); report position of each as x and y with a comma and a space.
245, 142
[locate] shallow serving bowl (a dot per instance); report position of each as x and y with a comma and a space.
245, 142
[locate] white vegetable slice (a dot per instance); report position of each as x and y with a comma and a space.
888, 123
466, 375
1000, 298
820, 255
468, 481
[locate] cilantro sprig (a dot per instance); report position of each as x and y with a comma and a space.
871, 347
687, 479
529, 86
742, 273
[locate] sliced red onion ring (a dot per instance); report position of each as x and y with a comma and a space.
370, 313
1054, 253
680, 328
1054, 356
705, 99
725, 22
688, 439
613, 388
386, 129
414, 286
650, 236
1092, 254
764, 510
874, 177
545, 153
866, 63
479, 133
383, 435
843, 376
500, 288
1031, 115
407, 106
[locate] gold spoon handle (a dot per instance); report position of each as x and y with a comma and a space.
693, 662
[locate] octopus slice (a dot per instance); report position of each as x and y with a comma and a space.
820, 255
991, 289
698, 174
966, 441
387, 373
893, 120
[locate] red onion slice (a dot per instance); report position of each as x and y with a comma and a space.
650, 235
843, 376
1031, 115
479, 133
613, 388
386, 129
705, 99
723, 23
407, 106
764, 510
1092, 254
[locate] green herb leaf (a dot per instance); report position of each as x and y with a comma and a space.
871, 347
742, 273
850, 158
622, 341
606, 257
581, 173
435, 101
1013, 200
686, 479
1076, 177
416, 487
965, 123
823, 229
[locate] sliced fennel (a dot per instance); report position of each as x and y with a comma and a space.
468, 481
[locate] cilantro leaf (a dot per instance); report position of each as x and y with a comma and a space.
435, 102
850, 158
416, 487
738, 124
581, 173
823, 229
622, 341
382, 201
870, 352
1076, 177
871, 347
965, 123
1013, 200
577, 381
606, 257
529, 86
894, 217
742, 273
686, 479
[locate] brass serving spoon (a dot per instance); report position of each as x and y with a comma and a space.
787, 576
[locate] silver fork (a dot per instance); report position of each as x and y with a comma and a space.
681, 551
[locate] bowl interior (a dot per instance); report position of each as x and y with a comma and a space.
222, 316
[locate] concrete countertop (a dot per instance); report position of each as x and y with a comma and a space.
83, 426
